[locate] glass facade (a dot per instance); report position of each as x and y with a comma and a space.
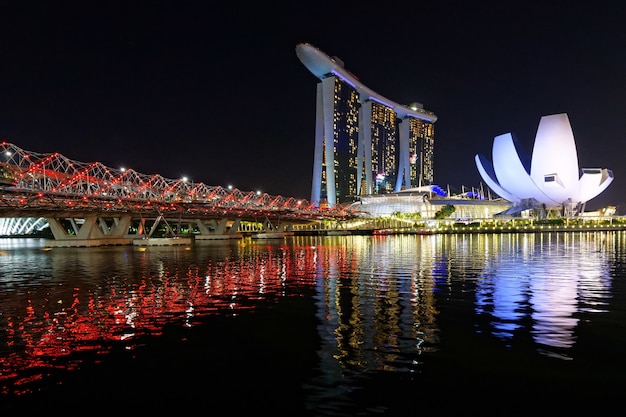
345, 140
421, 148
351, 177
384, 148
365, 144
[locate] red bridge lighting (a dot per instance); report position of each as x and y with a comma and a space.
66, 182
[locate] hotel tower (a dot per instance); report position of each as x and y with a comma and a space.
364, 143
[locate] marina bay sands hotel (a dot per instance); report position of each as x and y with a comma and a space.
364, 143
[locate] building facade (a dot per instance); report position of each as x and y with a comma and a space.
541, 180
365, 144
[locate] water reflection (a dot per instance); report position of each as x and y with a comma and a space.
547, 278
376, 299
59, 302
383, 303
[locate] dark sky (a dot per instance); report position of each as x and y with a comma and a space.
215, 91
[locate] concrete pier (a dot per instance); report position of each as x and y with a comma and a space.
87, 243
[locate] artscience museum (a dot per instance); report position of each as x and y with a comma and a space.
527, 186
550, 178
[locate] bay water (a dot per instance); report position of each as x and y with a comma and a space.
489, 324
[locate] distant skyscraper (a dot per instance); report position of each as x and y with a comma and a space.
364, 143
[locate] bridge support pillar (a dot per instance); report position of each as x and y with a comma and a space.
94, 231
218, 230
277, 226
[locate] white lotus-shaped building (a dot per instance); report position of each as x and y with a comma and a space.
550, 178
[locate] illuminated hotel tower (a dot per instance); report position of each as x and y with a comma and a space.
364, 143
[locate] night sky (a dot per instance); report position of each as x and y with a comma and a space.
214, 90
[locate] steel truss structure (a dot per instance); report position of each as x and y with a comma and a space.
40, 184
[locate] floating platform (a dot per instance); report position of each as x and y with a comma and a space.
219, 237
163, 241
271, 235
338, 232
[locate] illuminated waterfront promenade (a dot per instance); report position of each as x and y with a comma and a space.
390, 226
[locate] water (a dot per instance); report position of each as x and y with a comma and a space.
317, 326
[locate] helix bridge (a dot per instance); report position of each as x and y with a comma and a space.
51, 185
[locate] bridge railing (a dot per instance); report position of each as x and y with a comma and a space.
46, 180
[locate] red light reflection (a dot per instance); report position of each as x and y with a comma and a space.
43, 332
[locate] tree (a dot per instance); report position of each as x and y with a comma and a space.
445, 211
